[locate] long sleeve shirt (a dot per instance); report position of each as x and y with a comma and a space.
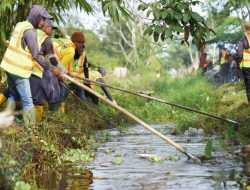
30, 40
243, 44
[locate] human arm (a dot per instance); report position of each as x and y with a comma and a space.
86, 67
104, 88
30, 40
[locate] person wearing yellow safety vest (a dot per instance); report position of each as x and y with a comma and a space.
70, 53
18, 60
97, 75
44, 84
224, 63
243, 58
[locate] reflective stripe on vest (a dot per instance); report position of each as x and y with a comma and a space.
38, 69
59, 44
75, 69
16, 60
94, 75
223, 56
246, 55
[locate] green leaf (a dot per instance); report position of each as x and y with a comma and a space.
177, 28
148, 30
181, 6
157, 14
165, 13
158, 29
142, 7
208, 149
197, 17
156, 36
186, 17
178, 15
168, 32
148, 13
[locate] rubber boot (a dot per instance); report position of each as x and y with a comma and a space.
46, 104
39, 114
63, 107
2, 99
29, 117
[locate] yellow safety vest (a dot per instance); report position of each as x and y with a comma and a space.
38, 69
223, 56
16, 60
64, 49
94, 75
75, 68
246, 55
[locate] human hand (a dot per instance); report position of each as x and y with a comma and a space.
56, 71
6, 119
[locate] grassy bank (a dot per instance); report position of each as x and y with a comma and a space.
28, 152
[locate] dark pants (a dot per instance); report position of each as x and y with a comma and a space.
45, 88
246, 76
224, 72
93, 98
78, 91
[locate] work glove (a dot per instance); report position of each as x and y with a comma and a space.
56, 71
6, 119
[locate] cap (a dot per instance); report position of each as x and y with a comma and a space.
50, 23
78, 37
47, 15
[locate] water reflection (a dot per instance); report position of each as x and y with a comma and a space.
74, 180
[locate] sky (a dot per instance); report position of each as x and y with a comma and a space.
94, 21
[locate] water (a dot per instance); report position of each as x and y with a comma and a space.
222, 172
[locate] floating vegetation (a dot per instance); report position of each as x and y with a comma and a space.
77, 155
118, 160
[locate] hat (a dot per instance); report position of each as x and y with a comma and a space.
78, 37
47, 15
247, 26
50, 23
102, 71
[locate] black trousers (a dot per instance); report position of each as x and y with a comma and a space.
246, 76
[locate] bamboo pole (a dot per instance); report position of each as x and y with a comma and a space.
144, 95
178, 147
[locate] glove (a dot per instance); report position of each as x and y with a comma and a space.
56, 71
6, 119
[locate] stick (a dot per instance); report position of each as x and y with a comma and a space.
162, 101
178, 147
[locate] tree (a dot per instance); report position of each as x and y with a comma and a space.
170, 17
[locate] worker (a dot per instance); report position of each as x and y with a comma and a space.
18, 60
44, 84
70, 53
97, 75
223, 62
243, 58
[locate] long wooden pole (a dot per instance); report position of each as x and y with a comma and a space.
144, 95
178, 147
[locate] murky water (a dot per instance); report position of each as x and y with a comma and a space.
133, 172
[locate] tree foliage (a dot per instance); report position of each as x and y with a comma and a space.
175, 19
170, 18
